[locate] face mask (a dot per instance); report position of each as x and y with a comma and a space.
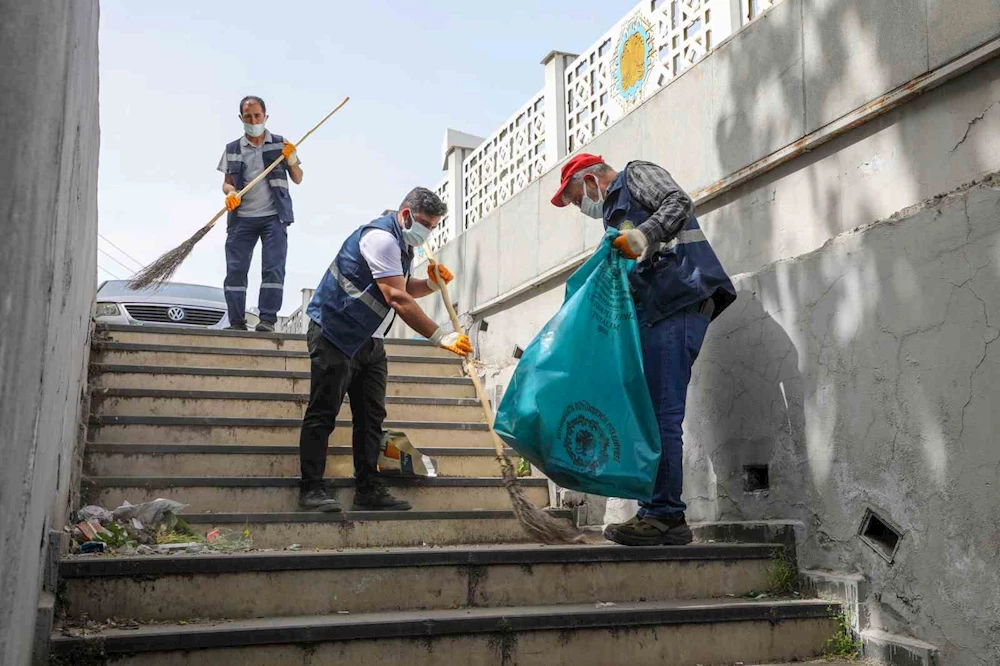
417, 233
253, 130
591, 208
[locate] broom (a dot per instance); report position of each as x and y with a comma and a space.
163, 268
540, 525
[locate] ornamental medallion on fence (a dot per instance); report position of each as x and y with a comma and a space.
635, 58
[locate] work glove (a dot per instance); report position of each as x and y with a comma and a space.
291, 157
232, 201
434, 271
456, 343
631, 243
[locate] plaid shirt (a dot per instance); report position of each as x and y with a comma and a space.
654, 188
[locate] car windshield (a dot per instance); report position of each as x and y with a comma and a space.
119, 288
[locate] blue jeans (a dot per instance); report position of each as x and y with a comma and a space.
669, 349
241, 238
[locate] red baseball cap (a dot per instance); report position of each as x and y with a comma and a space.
576, 163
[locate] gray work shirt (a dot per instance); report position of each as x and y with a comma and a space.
257, 202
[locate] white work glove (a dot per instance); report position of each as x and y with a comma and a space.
456, 343
631, 243
291, 155
434, 271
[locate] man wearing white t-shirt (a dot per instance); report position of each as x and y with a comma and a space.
356, 302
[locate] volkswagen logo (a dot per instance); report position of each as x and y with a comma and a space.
176, 314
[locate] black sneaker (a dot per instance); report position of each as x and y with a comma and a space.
236, 327
318, 500
378, 499
265, 327
649, 531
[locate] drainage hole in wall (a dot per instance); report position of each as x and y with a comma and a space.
755, 478
882, 537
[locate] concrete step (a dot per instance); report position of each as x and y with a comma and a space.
256, 359
678, 633
371, 529
256, 585
159, 402
159, 377
250, 461
278, 494
170, 335
253, 432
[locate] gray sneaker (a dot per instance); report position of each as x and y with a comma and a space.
265, 327
236, 327
318, 500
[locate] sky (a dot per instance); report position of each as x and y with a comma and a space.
172, 74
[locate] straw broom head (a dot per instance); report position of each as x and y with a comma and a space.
164, 268
539, 524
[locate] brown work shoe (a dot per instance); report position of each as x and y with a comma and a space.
614, 526
650, 531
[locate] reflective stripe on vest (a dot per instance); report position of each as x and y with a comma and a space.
348, 305
353, 291
276, 179
673, 275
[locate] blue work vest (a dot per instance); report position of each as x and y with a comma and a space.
348, 305
674, 275
277, 179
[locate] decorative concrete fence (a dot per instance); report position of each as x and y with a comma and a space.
583, 95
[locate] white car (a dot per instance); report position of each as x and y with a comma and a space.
170, 304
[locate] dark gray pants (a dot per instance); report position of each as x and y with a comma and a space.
332, 376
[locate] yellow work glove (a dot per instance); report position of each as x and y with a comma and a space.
436, 273
456, 343
631, 243
232, 201
291, 157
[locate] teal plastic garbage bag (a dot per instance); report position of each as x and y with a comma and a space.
578, 406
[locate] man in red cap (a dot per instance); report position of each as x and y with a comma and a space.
679, 286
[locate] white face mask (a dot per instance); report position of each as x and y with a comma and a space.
589, 207
417, 233
253, 130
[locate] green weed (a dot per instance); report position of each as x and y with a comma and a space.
843, 644
782, 576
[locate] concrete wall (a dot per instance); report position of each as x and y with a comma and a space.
865, 375
857, 362
48, 190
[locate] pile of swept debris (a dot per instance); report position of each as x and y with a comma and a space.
149, 528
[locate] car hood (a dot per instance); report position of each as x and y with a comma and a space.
159, 299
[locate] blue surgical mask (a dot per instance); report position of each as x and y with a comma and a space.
589, 207
417, 233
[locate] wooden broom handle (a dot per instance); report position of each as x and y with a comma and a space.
498, 444
278, 161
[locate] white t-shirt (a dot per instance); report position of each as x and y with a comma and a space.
381, 250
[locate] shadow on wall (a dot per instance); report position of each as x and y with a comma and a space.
862, 373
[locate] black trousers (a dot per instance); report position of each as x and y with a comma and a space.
332, 376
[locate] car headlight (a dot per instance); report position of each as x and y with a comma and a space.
107, 310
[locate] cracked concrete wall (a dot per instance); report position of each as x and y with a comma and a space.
48, 190
859, 362
865, 374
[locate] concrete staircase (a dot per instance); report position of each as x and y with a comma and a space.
211, 419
